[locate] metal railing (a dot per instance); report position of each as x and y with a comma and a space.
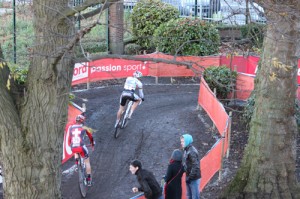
223, 11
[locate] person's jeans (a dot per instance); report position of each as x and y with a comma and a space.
193, 189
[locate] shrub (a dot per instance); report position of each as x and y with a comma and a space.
221, 78
132, 49
18, 73
187, 36
146, 16
24, 34
94, 47
255, 32
248, 111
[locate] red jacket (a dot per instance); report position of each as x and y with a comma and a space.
76, 135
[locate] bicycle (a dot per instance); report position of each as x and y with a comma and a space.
124, 118
82, 176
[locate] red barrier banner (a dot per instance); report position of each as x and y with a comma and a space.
213, 107
73, 111
172, 70
244, 86
210, 164
201, 63
183, 186
237, 63
115, 68
252, 65
161, 69
298, 72
80, 73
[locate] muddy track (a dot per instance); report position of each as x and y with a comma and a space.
151, 136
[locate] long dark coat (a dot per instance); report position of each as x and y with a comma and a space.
148, 184
173, 188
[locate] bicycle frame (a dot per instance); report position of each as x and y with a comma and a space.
124, 118
126, 114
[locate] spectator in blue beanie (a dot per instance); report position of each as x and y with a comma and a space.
191, 164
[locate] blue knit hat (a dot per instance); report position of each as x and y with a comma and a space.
188, 139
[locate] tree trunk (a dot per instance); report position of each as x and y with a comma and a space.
116, 29
32, 132
247, 14
269, 162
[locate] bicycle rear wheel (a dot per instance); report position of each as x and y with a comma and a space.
82, 180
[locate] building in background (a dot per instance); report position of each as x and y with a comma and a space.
231, 12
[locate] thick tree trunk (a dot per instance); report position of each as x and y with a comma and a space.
116, 29
32, 135
268, 166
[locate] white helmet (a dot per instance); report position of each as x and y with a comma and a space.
137, 74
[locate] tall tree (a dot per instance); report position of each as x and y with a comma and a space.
32, 120
268, 166
116, 28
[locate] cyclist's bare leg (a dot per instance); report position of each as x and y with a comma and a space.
133, 107
88, 166
119, 113
76, 157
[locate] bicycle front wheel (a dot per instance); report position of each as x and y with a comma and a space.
117, 132
82, 180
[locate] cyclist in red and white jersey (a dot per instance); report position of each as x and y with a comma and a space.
76, 133
131, 84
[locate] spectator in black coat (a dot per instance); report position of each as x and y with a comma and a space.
147, 181
175, 171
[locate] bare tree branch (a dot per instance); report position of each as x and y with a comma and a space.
94, 12
73, 42
88, 3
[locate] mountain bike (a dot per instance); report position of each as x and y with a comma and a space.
124, 118
82, 176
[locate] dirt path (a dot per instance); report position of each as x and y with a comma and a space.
150, 136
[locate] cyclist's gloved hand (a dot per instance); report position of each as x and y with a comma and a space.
93, 143
143, 99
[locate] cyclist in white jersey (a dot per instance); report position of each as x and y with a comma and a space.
131, 84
